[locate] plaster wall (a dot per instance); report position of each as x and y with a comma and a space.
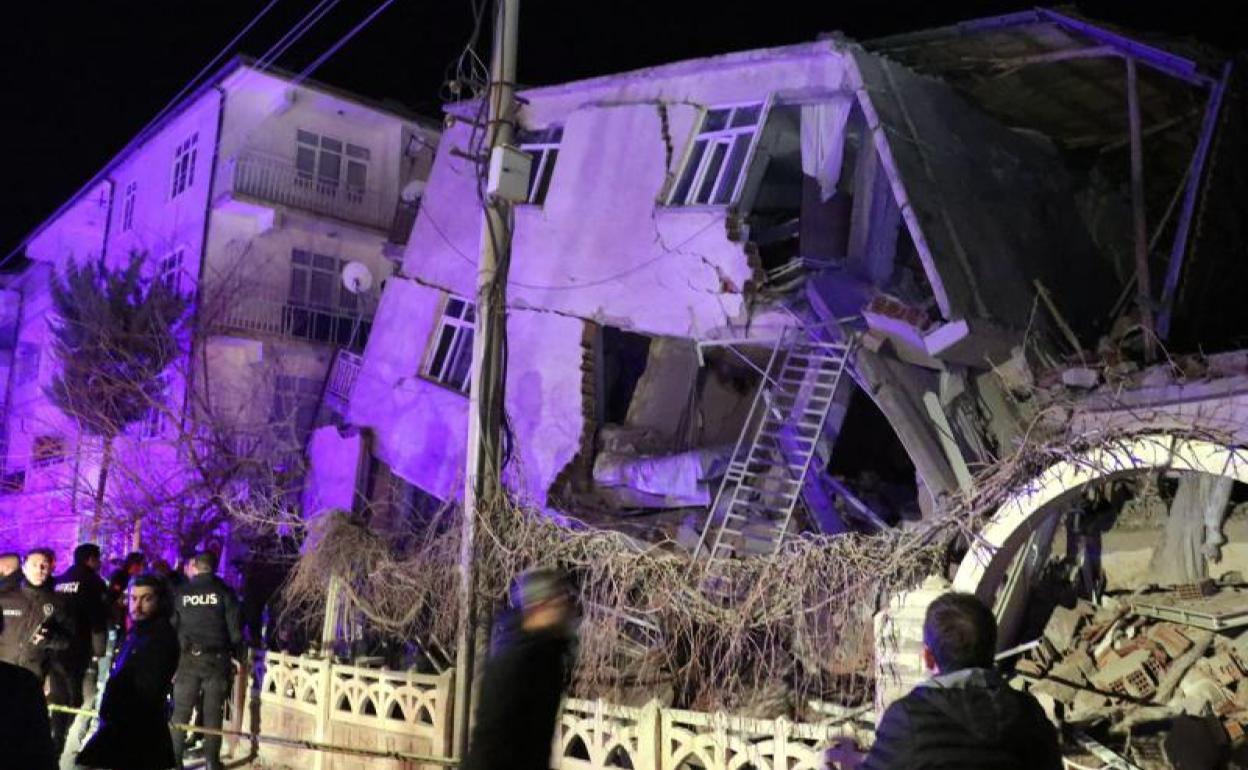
603, 246
422, 426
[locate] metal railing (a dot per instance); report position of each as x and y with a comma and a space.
274, 179
266, 312
342, 376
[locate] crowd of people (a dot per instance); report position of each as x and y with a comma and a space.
180, 641
174, 632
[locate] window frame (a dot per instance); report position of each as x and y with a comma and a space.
726, 137
439, 367
543, 147
127, 206
46, 459
347, 155
183, 171
172, 269
155, 418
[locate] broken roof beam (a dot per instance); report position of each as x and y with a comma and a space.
1013, 64
1162, 61
1177, 252
1143, 282
922, 37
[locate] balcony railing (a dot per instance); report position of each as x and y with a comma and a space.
342, 377
264, 312
274, 179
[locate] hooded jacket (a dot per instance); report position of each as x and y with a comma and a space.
966, 720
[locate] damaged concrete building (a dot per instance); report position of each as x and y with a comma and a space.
957, 202
822, 287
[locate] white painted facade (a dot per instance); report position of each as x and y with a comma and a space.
248, 176
604, 247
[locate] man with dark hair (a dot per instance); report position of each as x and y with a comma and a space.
10, 569
35, 623
207, 617
133, 733
525, 678
965, 716
133, 565
74, 670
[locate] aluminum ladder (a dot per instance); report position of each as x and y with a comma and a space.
764, 479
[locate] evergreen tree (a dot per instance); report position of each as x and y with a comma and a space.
115, 332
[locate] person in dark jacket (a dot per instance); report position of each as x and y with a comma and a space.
73, 674
133, 731
10, 570
208, 619
525, 678
35, 623
25, 737
118, 582
966, 716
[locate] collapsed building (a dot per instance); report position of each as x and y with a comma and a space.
821, 287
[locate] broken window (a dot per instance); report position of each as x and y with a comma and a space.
713, 169
184, 166
543, 147
450, 358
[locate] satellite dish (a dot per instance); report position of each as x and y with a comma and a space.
356, 277
413, 191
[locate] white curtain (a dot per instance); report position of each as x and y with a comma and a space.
823, 141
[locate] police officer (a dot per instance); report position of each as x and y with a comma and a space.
34, 619
206, 615
74, 670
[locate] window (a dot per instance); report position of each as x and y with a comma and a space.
327, 164
47, 450
26, 363
543, 146
155, 419
295, 403
127, 207
450, 361
319, 307
316, 281
184, 166
713, 170
171, 270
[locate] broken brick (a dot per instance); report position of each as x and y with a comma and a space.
1171, 639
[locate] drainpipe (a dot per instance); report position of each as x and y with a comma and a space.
76, 483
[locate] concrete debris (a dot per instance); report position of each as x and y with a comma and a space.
1081, 377
1117, 666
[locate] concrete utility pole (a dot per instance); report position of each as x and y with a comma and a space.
485, 406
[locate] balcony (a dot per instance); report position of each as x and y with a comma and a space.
274, 180
342, 377
267, 313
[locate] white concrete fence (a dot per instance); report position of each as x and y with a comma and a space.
308, 699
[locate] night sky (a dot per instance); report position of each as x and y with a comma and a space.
81, 78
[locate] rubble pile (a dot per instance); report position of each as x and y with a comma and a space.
1145, 658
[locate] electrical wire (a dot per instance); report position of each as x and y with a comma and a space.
342, 41
295, 33
145, 131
